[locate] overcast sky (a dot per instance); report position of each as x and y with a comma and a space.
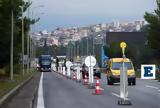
72, 13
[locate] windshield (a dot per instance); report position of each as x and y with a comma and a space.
118, 65
46, 62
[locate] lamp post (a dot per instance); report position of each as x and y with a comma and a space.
87, 46
28, 42
93, 47
11, 53
22, 40
31, 40
36, 7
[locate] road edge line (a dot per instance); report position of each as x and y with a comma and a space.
40, 99
11, 93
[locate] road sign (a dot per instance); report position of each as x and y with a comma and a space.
123, 45
124, 80
69, 64
148, 71
78, 57
78, 73
90, 61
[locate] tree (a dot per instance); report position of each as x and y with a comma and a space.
153, 31
5, 29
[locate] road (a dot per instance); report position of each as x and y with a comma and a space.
60, 92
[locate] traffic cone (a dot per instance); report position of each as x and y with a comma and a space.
98, 89
85, 80
74, 76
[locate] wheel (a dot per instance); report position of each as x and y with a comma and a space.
134, 82
109, 82
129, 83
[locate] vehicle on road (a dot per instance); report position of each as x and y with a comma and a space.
158, 72
45, 63
96, 71
113, 70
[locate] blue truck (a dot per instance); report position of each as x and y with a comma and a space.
45, 63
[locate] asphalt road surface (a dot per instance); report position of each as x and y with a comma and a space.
56, 91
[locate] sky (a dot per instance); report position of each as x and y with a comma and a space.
77, 13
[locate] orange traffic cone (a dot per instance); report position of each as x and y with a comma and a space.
85, 80
98, 89
74, 76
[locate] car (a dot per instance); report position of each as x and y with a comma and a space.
158, 72
96, 71
113, 71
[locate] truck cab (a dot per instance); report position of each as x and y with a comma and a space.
113, 70
45, 63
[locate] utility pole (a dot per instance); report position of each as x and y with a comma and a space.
78, 49
11, 53
22, 41
87, 46
28, 43
93, 46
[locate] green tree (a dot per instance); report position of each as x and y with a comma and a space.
153, 30
5, 29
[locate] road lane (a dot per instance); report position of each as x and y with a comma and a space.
60, 92
140, 95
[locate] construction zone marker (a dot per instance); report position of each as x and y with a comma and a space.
98, 90
74, 76
85, 80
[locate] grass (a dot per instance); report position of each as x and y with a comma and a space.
7, 85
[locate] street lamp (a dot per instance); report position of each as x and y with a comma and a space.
36, 7
87, 46
93, 46
28, 40
11, 53
35, 25
31, 41
22, 40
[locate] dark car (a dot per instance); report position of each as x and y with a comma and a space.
96, 71
158, 72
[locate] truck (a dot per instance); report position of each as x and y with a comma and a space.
45, 63
113, 71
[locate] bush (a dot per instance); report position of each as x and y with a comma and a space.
16, 69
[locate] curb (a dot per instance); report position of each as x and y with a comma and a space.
34, 99
14, 91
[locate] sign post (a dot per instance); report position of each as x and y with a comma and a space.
78, 73
123, 80
69, 64
61, 69
90, 61
64, 71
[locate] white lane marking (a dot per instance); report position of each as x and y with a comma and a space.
101, 89
117, 95
114, 94
40, 102
153, 87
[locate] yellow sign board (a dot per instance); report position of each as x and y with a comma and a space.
123, 45
78, 57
